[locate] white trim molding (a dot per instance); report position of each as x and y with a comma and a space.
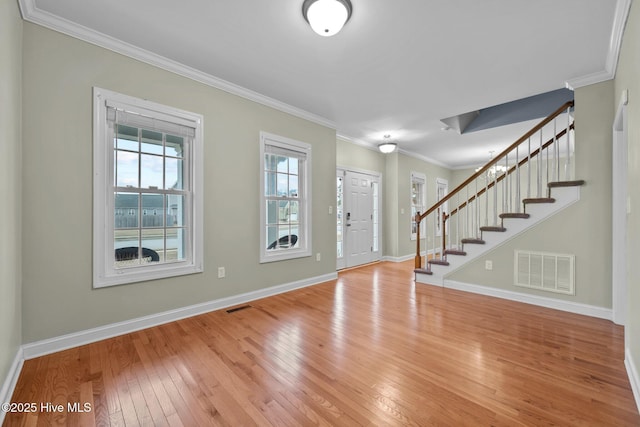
9, 384
75, 339
31, 13
615, 42
556, 304
632, 373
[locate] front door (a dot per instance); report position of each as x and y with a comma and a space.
359, 218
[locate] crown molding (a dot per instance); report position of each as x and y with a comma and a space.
31, 13
615, 43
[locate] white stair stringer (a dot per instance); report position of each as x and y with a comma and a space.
564, 197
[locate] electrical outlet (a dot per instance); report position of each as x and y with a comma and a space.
488, 265
330, 210
221, 272
318, 256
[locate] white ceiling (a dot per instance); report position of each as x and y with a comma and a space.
397, 67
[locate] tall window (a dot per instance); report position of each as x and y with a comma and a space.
147, 190
418, 201
285, 206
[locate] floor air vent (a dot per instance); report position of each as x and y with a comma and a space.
545, 271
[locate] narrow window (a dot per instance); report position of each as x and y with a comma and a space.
418, 201
285, 193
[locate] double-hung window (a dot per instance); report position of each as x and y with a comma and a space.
147, 190
285, 188
418, 201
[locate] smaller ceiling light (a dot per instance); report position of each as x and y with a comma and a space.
387, 146
326, 17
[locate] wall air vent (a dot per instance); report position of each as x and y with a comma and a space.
545, 271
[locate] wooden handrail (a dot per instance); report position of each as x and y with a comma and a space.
512, 169
495, 160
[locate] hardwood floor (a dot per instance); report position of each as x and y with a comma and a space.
371, 348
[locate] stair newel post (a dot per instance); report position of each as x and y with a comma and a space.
554, 147
435, 233
517, 180
418, 258
444, 236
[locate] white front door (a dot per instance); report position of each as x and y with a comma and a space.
359, 221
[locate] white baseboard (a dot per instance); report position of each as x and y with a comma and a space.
9, 384
634, 379
571, 307
63, 342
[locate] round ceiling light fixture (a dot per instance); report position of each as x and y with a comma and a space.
387, 146
326, 17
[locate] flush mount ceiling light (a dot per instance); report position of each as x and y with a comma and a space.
326, 17
387, 146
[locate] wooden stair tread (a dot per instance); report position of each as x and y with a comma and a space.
454, 252
557, 184
473, 240
438, 262
493, 228
422, 271
539, 200
514, 215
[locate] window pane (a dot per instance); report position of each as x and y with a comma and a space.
269, 184
151, 171
126, 169
283, 184
126, 210
176, 244
174, 146
294, 231
153, 210
173, 173
175, 210
293, 166
283, 164
152, 240
293, 186
293, 211
151, 142
272, 235
270, 162
272, 212
283, 231
127, 138
283, 211
126, 248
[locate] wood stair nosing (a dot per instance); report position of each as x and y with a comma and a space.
539, 200
496, 228
438, 262
454, 252
514, 215
473, 240
558, 184
422, 271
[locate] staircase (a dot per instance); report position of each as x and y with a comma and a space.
525, 184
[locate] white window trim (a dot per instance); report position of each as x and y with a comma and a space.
104, 274
303, 248
419, 177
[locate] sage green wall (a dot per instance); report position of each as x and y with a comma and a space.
583, 229
628, 77
10, 188
59, 73
356, 156
406, 165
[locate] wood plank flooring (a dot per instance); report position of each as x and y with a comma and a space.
369, 349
